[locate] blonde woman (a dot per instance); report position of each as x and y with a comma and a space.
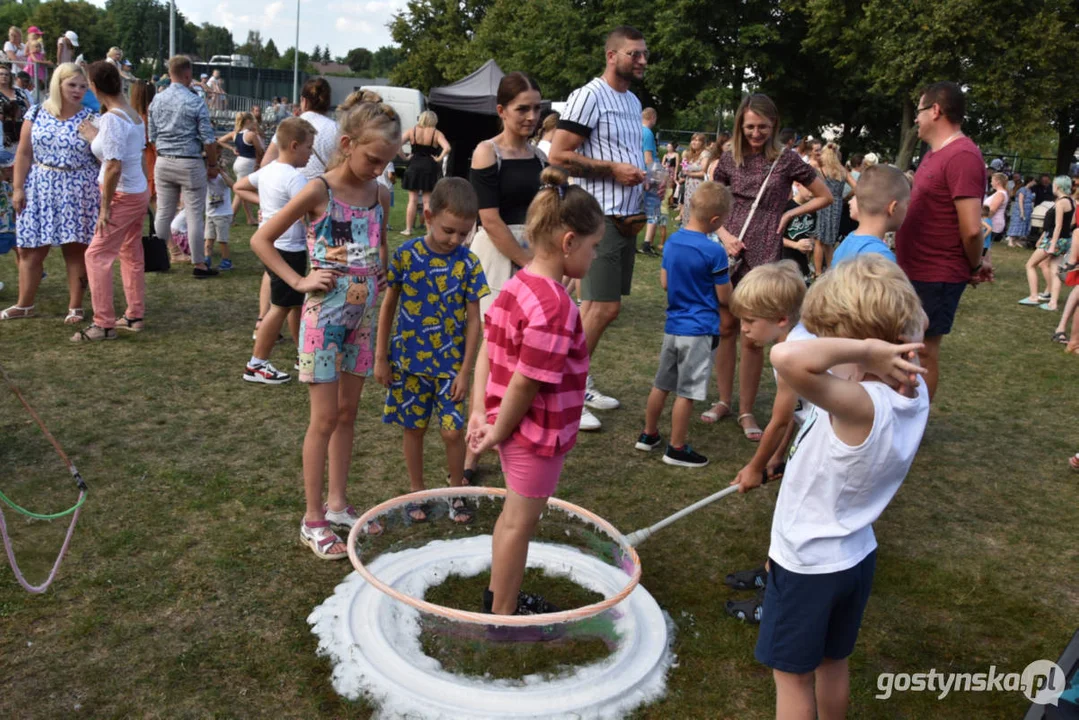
834, 174
15, 48
997, 201
429, 147
56, 192
245, 141
695, 161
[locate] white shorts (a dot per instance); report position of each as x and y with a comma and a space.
217, 228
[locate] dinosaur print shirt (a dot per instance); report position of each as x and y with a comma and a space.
433, 313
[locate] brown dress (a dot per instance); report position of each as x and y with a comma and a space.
763, 242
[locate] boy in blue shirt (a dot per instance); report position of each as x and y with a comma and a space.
437, 336
695, 275
880, 203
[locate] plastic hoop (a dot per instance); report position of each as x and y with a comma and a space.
487, 618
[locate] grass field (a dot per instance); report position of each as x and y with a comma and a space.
186, 591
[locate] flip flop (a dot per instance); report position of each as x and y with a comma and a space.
711, 416
753, 433
1030, 303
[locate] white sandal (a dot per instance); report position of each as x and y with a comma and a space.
17, 312
711, 416
74, 316
320, 538
348, 517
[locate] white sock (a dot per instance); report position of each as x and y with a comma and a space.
256, 362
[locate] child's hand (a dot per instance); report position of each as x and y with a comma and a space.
894, 362
383, 374
482, 438
805, 246
459, 388
775, 469
748, 478
318, 281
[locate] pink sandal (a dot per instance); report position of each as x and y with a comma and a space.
320, 538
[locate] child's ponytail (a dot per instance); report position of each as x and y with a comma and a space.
366, 120
559, 207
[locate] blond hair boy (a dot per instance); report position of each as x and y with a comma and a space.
847, 462
695, 275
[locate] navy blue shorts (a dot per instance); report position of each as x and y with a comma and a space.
940, 301
807, 618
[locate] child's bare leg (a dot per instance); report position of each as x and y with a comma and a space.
264, 295
413, 446
794, 696
509, 549
454, 441
224, 247
350, 387
315, 447
680, 415
656, 400
818, 258
832, 679
294, 323
266, 335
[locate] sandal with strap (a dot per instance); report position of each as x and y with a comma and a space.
748, 611
753, 433
74, 316
348, 517
460, 512
17, 312
93, 333
413, 509
129, 324
713, 415
320, 538
754, 579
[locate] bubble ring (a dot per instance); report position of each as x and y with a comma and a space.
486, 618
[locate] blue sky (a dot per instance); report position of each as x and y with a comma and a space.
342, 24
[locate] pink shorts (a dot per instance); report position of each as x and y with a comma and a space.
527, 473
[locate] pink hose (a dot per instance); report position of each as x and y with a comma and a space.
59, 558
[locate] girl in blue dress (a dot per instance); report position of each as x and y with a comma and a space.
55, 194
1022, 209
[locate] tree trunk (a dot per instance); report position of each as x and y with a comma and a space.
908, 136
1067, 139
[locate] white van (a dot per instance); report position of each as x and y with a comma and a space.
407, 102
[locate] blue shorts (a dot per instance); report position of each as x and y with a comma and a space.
940, 300
807, 618
7, 241
413, 400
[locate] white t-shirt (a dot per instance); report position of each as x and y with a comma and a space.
804, 407
20, 51
384, 178
218, 198
832, 492
325, 144
277, 184
120, 139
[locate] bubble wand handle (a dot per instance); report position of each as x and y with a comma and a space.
639, 536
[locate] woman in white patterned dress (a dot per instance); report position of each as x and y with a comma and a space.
56, 194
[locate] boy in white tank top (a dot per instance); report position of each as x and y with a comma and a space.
846, 464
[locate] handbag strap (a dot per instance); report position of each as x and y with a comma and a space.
757, 200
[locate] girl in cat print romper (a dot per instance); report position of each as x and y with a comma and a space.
346, 212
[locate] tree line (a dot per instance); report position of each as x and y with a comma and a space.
855, 64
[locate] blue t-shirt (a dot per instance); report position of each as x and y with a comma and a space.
90, 101
694, 265
433, 314
648, 142
855, 245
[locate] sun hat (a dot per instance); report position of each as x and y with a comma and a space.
34, 30
73, 37
204, 75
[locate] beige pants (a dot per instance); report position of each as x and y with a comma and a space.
174, 176
496, 267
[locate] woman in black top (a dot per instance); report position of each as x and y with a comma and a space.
428, 147
506, 176
12, 108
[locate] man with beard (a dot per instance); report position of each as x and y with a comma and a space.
598, 142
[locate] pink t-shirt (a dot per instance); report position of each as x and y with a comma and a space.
534, 328
928, 246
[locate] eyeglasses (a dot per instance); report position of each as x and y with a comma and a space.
637, 54
927, 107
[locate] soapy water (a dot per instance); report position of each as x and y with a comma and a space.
374, 641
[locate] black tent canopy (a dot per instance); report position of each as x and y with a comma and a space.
467, 113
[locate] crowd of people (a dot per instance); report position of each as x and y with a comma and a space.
476, 331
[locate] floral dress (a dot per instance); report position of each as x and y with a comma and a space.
338, 328
1019, 226
692, 183
62, 195
829, 216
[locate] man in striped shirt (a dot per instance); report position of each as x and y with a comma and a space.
598, 142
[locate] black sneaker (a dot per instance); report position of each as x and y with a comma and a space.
684, 457
647, 442
528, 604
645, 249
266, 374
201, 274
748, 611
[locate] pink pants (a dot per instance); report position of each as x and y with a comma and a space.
527, 473
123, 238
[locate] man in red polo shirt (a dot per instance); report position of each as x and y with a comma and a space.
939, 245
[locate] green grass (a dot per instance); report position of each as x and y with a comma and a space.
186, 591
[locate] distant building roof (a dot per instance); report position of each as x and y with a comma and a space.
331, 68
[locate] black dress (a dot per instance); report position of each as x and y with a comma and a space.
423, 170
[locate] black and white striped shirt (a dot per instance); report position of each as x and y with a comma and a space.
610, 123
